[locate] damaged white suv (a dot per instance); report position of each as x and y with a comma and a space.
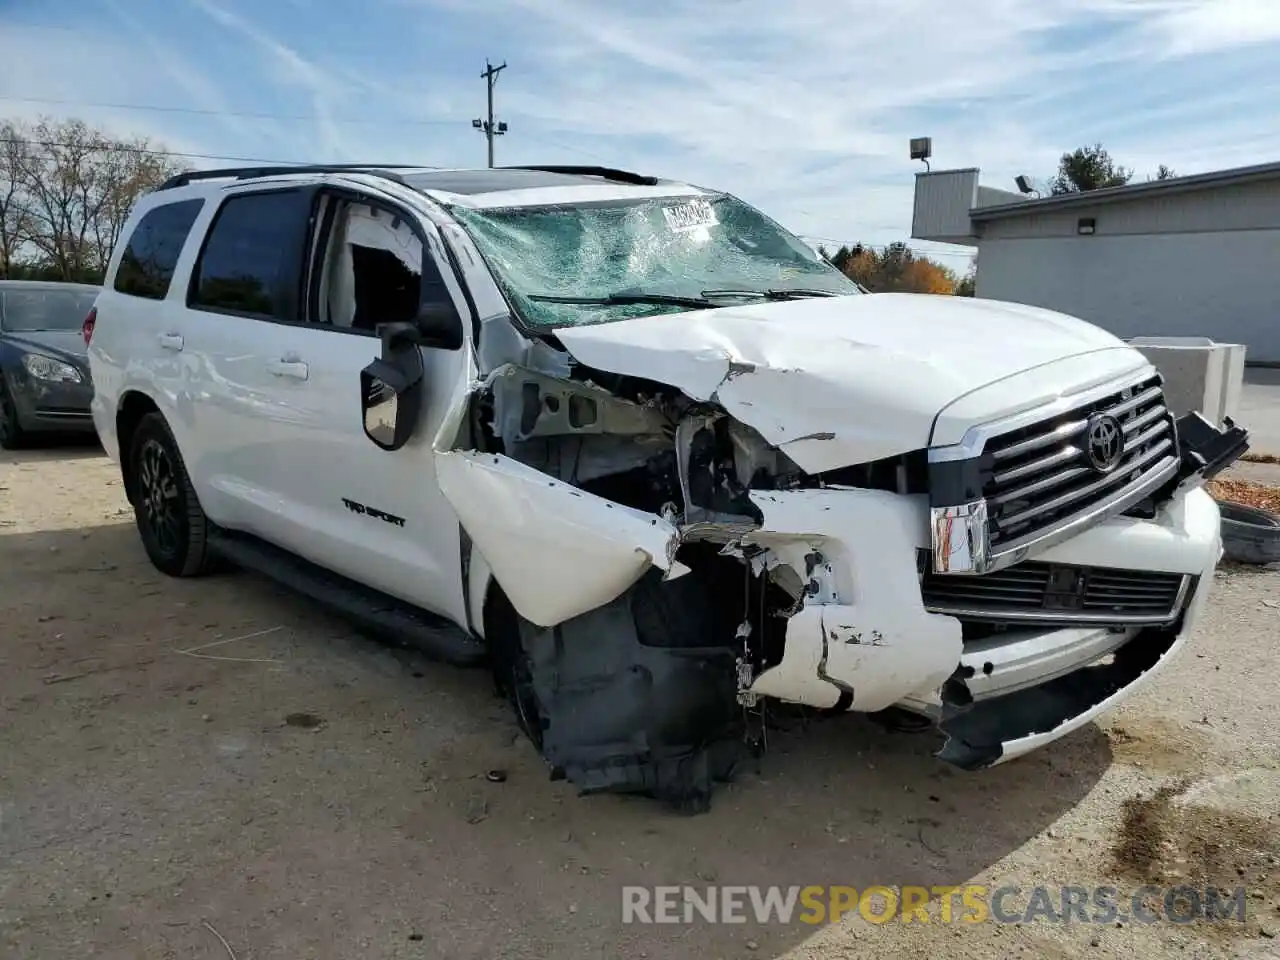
643, 451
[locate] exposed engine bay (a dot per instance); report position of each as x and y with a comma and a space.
651, 692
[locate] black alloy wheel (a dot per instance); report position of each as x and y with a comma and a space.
173, 528
158, 499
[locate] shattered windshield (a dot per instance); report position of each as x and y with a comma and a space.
568, 265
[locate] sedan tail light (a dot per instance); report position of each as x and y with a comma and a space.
86, 330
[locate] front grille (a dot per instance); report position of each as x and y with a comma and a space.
1041, 476
1059, 593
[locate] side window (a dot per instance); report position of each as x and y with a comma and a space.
375, 269
252, 261
146, 266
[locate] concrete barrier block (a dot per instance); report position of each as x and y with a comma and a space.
1199, 374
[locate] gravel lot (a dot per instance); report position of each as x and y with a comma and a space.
307, 793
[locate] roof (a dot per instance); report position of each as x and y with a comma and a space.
494, 180
527, 186
477, 188
1128, 192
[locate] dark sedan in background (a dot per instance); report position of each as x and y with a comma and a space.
44, 371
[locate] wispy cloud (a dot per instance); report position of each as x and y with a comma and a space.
803, 108
291, 68
198, 87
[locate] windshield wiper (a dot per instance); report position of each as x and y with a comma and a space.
794, 294
620, 299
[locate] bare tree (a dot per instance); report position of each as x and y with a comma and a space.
127, 172
75, 185
14, 219
57, 177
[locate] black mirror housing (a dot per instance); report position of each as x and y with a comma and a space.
391, 387
439, 325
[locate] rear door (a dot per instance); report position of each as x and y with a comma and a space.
249, 405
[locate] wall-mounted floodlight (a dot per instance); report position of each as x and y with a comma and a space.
922, 149
1086, 226
1024, 183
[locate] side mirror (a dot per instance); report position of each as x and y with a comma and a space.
391, 387
439, 325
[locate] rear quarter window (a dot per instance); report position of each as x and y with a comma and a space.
147, 264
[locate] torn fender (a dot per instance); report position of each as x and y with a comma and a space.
556, 550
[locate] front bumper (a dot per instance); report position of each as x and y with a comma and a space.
863, 639
53, 407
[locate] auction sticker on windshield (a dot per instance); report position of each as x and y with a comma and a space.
690, 216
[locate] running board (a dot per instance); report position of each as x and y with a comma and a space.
385, 617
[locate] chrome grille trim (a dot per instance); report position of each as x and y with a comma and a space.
1031, 494
1105, 481
1037, 484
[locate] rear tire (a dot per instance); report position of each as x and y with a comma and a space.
173, 527
12, 436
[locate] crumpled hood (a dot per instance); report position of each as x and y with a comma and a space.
844, 380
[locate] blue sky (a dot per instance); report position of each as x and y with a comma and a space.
801, 107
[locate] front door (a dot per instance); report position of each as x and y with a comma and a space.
375, 515
285, 299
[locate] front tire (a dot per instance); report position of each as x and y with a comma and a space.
12, 436
173, 527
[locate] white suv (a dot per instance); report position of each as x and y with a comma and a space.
650, 456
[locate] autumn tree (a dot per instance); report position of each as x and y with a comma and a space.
840, 259
69, 190
897, 269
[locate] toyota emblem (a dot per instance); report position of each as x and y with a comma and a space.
1104, 442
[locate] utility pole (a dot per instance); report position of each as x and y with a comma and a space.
488, 127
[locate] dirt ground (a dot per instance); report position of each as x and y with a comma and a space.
300, 791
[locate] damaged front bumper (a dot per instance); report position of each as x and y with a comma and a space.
876, 644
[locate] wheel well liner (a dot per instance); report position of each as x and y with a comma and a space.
134, 405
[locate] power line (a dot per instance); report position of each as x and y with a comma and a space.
144, 151
490, 130
201, 112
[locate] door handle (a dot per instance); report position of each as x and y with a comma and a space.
294, 369
170, 341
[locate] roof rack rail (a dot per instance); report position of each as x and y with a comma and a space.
247, 173
608, 173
